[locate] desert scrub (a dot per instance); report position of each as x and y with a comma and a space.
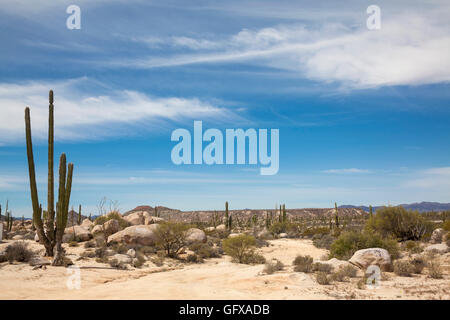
322, 267
89, 244
349, 271
419, 264
273, 266
89, 253
114, 263
349, 242
303, 263
102, 260
322, 278
434, 269
73, 244
412, 246
18, 251
158, 261
446, 225
403, 268
171, 237
204, 250
242, 249
323, 240
399, 223
139, 261
112, 215
194, 258
310, 232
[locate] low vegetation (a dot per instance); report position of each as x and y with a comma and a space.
171, 237
110, 216
18, 251
242, 249
403, 268
303, 264
273, 266
350, 242
399, 223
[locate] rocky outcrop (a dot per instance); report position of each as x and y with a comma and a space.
372, 256
437, 235
194, 235
76, 232
135, 235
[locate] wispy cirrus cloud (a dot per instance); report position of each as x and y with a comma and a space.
81, 114
410, 49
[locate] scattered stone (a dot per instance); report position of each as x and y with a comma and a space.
17, 237
97, 229
283, 235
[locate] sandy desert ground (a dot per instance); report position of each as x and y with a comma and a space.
217, 278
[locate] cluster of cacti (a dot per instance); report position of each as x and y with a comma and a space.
51, 233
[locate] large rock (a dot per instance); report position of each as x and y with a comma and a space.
111, 226
372, 256
439, 248
97, 229
436, 236
122, 258
194, 235
221, 227
135, 235
135, 218
336, 263
148, 219
87, 224
81, 234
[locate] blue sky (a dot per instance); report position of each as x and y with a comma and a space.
363, 115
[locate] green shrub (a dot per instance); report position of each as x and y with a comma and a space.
171, 237
18, 251
239, 248
139, 261
322, 278
399, 223
446, 225
412, 246
403, 268
73, 244
303, 263
292, 229
273, 266
349, 242
322, 267
102, 260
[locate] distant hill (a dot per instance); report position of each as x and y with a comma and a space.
419, 206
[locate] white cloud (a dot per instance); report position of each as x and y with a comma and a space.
346, 171
81, 115
433, 178
410, 49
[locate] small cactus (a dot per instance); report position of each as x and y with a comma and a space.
79, 214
